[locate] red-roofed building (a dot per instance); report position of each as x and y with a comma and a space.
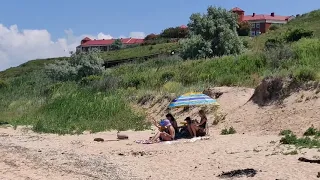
260, 23
105, 44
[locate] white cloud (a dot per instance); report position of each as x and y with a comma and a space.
19, 46
137, 35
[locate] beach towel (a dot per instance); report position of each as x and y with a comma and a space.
144, 142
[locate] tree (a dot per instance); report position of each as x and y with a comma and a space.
195, 47
244, 28
151, 37
218, 27
79, 65
175, 32
116, 45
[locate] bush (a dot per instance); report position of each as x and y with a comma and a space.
80, 65
244, 28
172, 87
151, 37
297, 34
273, 43
277, 55
106, 83
195, 48
274, 27
304, 74
285, 132
311, 131
90, 79
213, 34
292, 139
174, 32
3, 84
226, 131
84, 110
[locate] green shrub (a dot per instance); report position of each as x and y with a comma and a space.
306, 141
80, 65
304, 74
277, 55
289, 139
273, 43
84, 110
88, 80
3, 84
172, 86
285, 132
311, 131
226, 131
297, 34
274, 27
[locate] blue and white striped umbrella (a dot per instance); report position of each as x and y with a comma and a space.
192, 99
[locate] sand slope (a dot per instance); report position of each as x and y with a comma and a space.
27, 155
34, 156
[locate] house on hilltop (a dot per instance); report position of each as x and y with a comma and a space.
260, 23
105, 44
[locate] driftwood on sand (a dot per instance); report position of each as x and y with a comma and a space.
302, 159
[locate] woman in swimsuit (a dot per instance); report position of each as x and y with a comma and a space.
167, 135
198, 129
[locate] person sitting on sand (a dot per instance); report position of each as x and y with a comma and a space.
173, 122
167, 135
198, 129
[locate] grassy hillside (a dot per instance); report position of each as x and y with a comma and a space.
96, 103
139, 51
308, 21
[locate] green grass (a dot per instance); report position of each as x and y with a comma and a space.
65, 107
28, 97
227, 131
308, 21
310, 138
134, 52
244, 70
140, 51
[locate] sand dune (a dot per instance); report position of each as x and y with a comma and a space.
27, 155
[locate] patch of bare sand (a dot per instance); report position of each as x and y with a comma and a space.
37, 156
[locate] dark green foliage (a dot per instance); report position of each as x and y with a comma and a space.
244, 28
3, 84
174, 32
286, 132
305, 74
116, 45
226, 131
274, 27
297, 34
306, 141
212, 34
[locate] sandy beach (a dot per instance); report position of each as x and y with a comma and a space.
28, 155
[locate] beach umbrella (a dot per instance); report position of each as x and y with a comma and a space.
192, 99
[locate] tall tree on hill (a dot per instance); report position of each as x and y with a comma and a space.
218, 27
243, 28
116, 45
174, 32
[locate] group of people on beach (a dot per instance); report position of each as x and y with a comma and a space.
169, 129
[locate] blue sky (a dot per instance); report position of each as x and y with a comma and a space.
36, 29
123, 16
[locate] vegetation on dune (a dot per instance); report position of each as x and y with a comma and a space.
140, 51
212, 34
134, 52
310, 138
75, 94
